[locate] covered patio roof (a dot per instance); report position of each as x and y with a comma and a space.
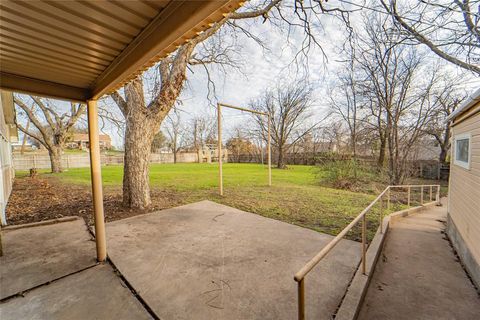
81, 50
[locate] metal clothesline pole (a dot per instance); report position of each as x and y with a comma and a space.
269, 152
219, 125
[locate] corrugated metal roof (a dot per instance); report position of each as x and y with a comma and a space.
91, 47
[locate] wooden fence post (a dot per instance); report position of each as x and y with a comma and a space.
364, 244
409, 195
388, 200
437, 196
381, 215
301, 299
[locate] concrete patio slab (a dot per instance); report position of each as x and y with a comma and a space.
419, 276
36, 255
95, 293
209, 261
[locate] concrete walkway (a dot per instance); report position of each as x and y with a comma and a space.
40, 254
418, 275
50, 272
94, 293
207, 261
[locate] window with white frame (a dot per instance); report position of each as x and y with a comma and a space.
462, 150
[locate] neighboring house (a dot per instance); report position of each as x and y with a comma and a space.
315, 147
209, 153
80, 141
8, 134
161, 150
463, 223
19, 146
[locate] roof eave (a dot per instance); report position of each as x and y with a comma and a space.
12, 82
470, 102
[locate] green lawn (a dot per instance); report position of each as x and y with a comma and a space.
193, 176
75, 151
295, 197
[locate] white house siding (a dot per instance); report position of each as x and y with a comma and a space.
6, 163
464, 195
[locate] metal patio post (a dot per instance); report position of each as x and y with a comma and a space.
96, 176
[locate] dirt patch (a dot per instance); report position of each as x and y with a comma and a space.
38, 199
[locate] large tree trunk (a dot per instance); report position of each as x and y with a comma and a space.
445, 145
138, 141
443, 155
55, 154
281, 159
381, 153
197, 150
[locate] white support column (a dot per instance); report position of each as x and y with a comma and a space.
96, 177
219, 148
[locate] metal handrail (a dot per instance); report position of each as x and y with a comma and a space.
301, 274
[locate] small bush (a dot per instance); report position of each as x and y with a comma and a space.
350, 175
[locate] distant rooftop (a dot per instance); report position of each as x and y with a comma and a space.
84, 137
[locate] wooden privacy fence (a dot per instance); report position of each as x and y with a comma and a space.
430, 169
426, 169
305, 158
42, 161
424, 192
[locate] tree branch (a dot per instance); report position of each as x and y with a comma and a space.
46, 111
121, 103
392, 9
45, 136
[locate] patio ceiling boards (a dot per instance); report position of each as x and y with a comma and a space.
81, 50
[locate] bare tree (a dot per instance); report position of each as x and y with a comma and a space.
24, 141
175, 133
410, 115
346, 99
159, 141
447, 97
51, 127
240, 145
290, 109
143, 119
449, 28
398, 90
202, 128
333, 136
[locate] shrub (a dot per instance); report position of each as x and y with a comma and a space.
350, 175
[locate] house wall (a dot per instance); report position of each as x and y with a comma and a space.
6, 163
463, 225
